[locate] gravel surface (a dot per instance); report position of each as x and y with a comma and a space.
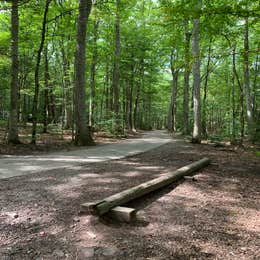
215, 215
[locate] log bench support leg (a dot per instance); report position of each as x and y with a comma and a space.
122, 214
119, 213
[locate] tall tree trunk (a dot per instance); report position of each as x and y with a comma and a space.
172, 108
67, 87
36, 74
241, 95
93, 75
82, 135
137, 96
111, 93
116, 69
46, 90
124, 102
13, 117
102, 105
107, 91
186, 124
249, 110
242, 113
204, 111
23, 111
255, 85
51, 106
233, 93
136, 104
130, 114
129, 100
196, 136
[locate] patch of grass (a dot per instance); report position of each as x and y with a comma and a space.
257, 153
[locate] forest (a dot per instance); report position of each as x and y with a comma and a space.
85, 66
129, 129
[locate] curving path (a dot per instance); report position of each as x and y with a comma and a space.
11, 166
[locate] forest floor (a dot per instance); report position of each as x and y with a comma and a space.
54, 140
214, 216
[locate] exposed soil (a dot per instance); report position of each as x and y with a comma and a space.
213, 216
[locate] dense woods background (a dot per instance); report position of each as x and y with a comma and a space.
79, 66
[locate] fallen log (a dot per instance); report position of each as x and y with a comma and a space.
101, 207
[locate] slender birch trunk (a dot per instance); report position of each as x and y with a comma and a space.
249, 107
196, 136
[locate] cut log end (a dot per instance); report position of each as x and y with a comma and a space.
89, 207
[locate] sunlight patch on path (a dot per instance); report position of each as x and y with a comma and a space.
11, 166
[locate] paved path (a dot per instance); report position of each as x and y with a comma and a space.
11, 166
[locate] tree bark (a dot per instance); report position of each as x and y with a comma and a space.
129, 100
116, 73
233, 93
255, 84
51, 106
204, 111
241, 96
136, 105
186, 124
93, 76
249, 110
46, 91
137, 96
36, 73
13, 116
67, 93
82, 135
172, 108
196, 136
107, 86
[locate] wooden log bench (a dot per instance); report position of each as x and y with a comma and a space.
112, 204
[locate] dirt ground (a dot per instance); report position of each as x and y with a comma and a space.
214, 216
